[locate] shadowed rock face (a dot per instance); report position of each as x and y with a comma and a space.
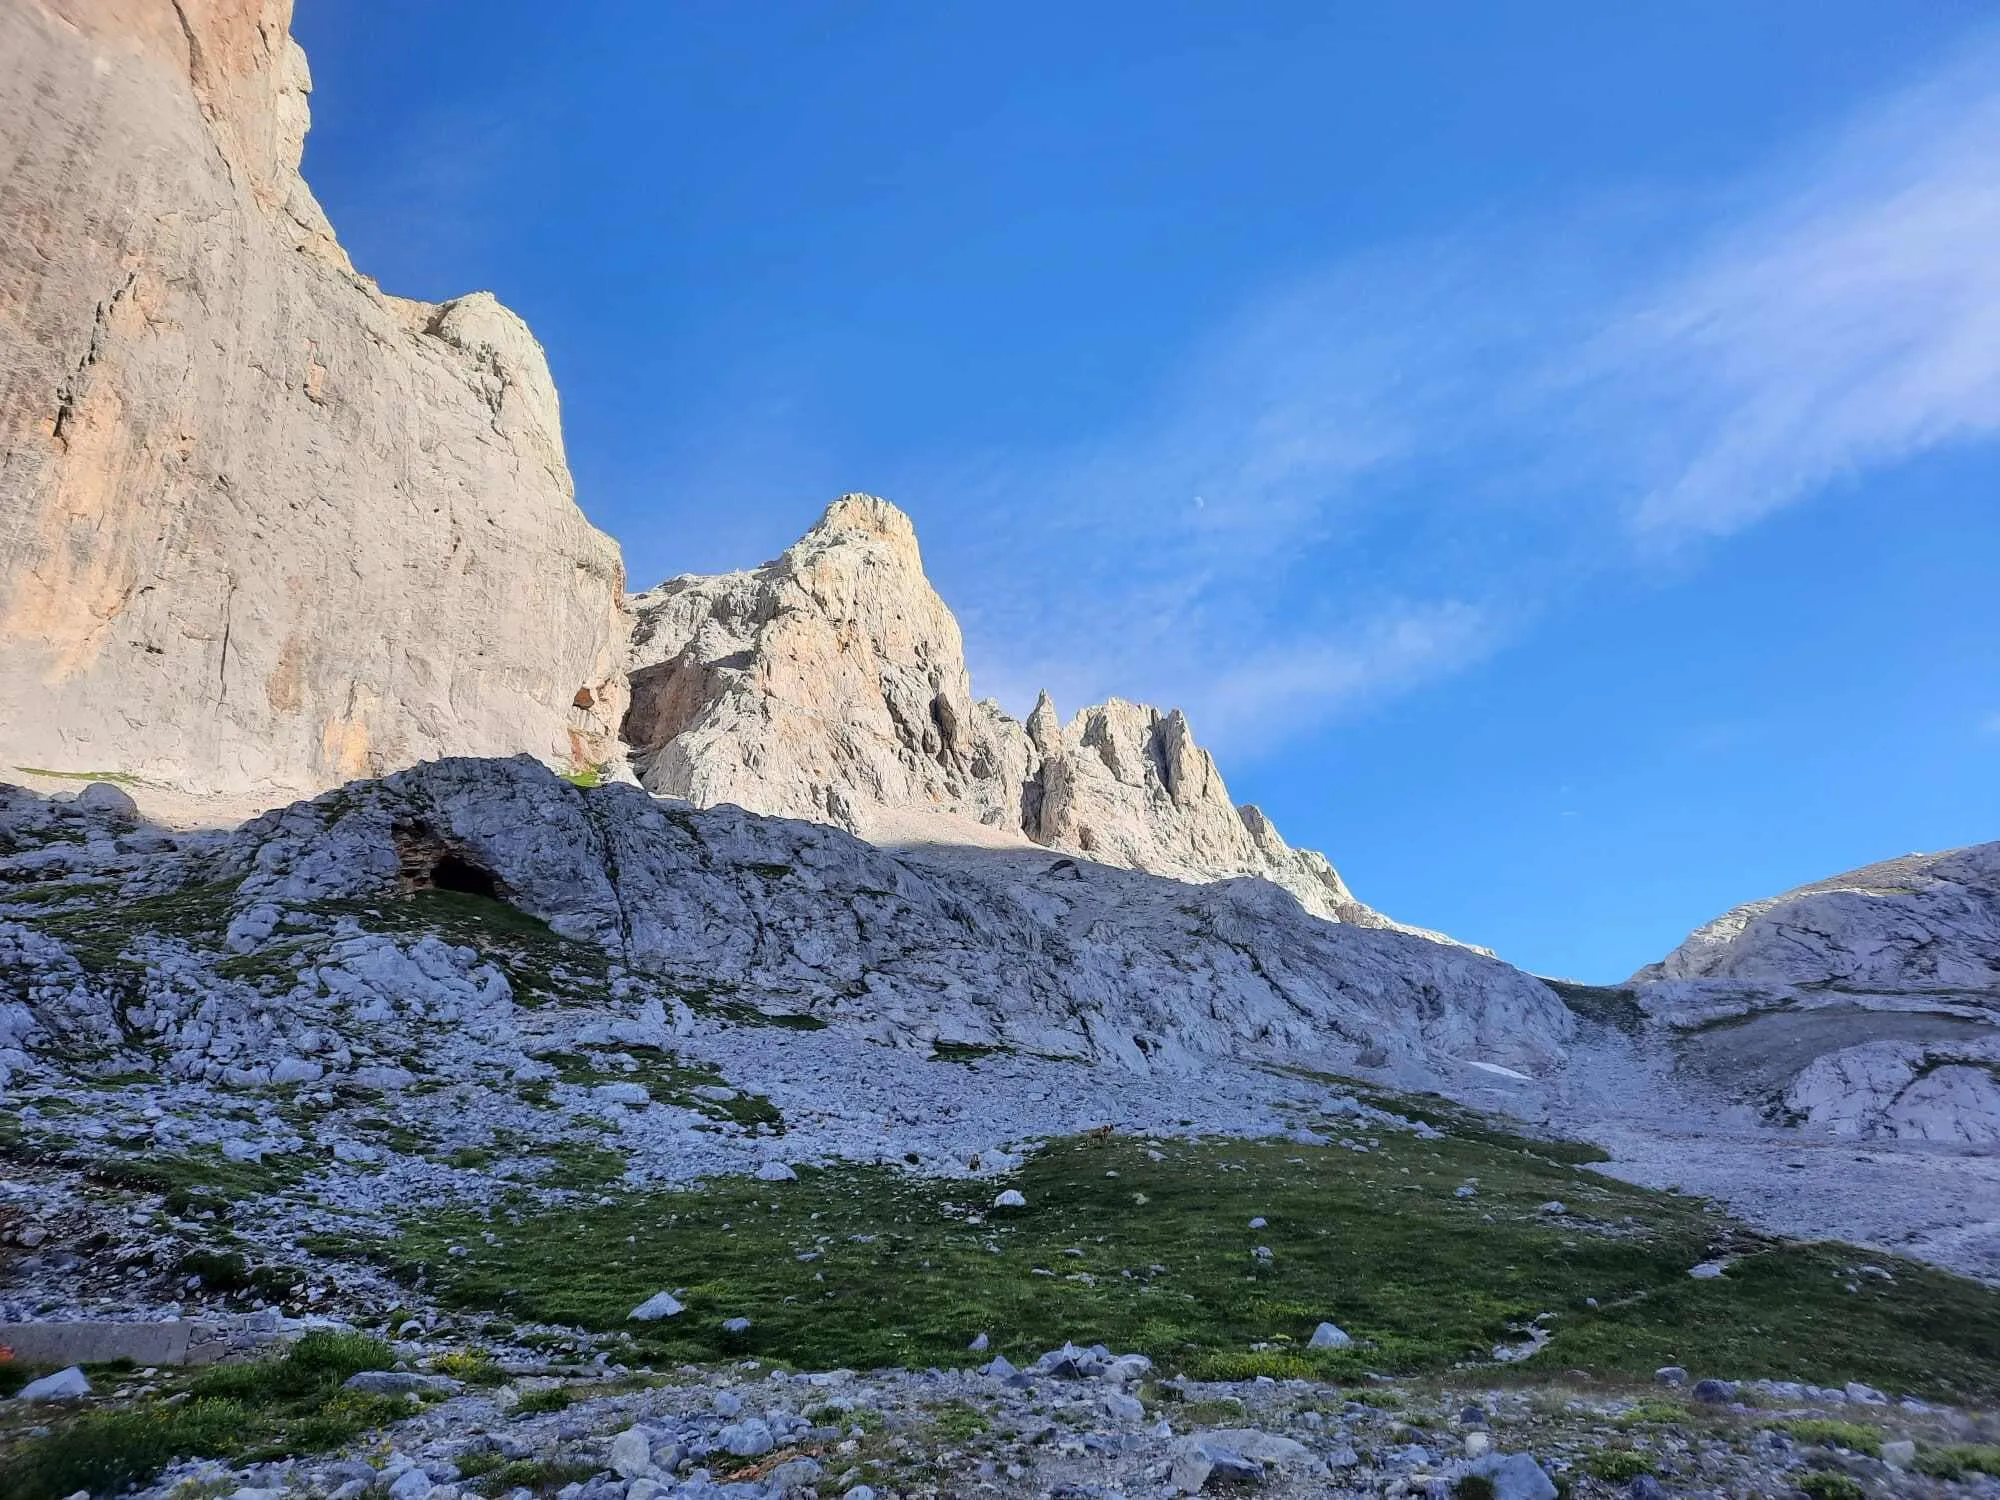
830, 684
260, 525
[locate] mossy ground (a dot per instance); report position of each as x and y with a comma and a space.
291, 1404
865, 1267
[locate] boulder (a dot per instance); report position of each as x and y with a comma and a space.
659, 1305
1514, 1476
64, 1385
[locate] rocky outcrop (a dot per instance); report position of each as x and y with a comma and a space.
830, 684
1924, 922
1864, 1005
260, 525
1017, 949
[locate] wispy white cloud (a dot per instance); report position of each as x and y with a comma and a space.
1377, 475
1854, 323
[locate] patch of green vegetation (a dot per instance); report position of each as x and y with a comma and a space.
956, 1421
473, 1366
1608, 1005
588, 774
1226, 1411
863, 1266
964, 1052
1959, 1459
1824, 1484
1473, 1487
227, 1272
99, 934
540, 965
16, 1373
292, 1404
1381, 1400
201, 1177
1456, 1120
1618, 1465
116, 778
540, 1476
1825, 1432
1654, 1412
670, 1079
548, 1399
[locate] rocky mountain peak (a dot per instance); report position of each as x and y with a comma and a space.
831, 684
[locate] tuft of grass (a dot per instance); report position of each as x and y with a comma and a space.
291, 1404
1618, 1465
473, 1366
896, 1273
1959, 1459
956, 1422
1473, 1487
543, 1476
1824, 1484
1826, 1432
548, 1399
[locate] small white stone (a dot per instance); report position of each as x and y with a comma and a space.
1011, 1198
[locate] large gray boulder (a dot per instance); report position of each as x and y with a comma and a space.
260, 524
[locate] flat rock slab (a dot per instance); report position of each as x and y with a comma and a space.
180, 1342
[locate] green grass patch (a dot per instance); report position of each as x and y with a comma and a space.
291, 1404
863, 1266
116, 778
1824, 1484
1617, 1465
669, 1079
1959, 1459
1826, 1432
548, 1399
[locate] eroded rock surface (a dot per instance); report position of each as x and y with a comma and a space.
999, 947
260, 525
830, 684
1922, 922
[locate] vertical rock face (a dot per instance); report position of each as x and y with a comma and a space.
831, 684
260, 525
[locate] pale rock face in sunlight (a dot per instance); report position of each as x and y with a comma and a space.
830, 684
261, 526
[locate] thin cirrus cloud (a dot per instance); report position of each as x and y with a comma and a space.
1381, 475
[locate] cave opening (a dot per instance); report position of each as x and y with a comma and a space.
451, 872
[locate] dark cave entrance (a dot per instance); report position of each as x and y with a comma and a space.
426, 862
453, 872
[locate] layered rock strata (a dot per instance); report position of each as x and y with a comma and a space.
261, 526
831, 684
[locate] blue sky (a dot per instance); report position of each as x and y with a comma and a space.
1549, 449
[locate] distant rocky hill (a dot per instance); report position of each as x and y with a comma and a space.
260, 524
831, 684
1921, 922
1867, 1004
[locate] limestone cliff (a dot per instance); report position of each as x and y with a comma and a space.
831, 684
260, 525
